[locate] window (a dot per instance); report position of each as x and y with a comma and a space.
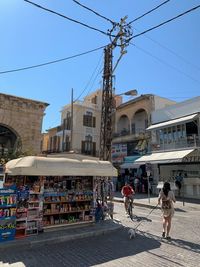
89, 120
94, 100
68, 121
88, 147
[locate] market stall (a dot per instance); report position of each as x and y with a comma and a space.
53, 192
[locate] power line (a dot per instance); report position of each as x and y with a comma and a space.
93, 11
99, 61
165, 22
165, 63
148, 12
52, 62
172, 52
63, 16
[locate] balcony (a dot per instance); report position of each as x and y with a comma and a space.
191, 141
125, 135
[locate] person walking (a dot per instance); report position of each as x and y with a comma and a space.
166, 199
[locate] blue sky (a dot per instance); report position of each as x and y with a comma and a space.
164, 61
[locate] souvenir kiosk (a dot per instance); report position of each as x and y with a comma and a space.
52, 192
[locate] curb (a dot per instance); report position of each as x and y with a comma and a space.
25, 243
150, 206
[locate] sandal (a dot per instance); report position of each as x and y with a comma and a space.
168, 238
163, 234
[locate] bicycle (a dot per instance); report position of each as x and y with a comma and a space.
130, 207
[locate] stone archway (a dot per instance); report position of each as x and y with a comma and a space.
139, 121
21, 120
123, 125
9, 140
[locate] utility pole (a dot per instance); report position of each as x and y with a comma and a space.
108, 106
72, 117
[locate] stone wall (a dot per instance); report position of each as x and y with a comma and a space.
24, 118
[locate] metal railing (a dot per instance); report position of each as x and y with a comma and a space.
191, 141
124, 132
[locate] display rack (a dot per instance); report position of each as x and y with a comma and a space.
27, 212
7, 214
67, 201
33, 213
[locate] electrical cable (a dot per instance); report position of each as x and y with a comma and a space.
93, 11
148, 12
90, 79
63, 16
165, 22
52, 62
172, 52
165, 63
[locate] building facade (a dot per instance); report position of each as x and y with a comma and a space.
131, 120
20, 124
80, 128
175, 145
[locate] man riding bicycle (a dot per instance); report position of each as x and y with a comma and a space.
128, 193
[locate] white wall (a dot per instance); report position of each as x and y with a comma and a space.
161, 102
176, 111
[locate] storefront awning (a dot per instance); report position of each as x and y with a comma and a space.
129, 162
165, 157
42, 166
173, 122
129, 165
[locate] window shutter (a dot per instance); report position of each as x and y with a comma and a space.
94, 148
83, 146
94, 122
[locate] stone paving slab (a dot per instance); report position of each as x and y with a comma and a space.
63, 234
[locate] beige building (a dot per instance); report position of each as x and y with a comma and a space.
20, 124
131, 120
80, 128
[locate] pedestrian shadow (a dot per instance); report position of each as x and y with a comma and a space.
190, 246
186, 245
136, 218
180, 210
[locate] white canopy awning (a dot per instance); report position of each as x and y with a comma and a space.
130, 165
173, 122
165, 157
42, 166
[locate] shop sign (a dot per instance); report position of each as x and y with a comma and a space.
119, 151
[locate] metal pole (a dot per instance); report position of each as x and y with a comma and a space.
148, 188
63, 135
183, 194
72, 115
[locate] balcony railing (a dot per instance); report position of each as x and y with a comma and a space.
191, 141
124, 132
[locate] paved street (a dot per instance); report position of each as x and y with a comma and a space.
115, 249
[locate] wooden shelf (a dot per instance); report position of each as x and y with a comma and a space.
29, 219
21, 219
20, 228
56, 202
64, 212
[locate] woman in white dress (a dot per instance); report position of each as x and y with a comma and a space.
166, 199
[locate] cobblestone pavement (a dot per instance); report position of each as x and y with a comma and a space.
116, 249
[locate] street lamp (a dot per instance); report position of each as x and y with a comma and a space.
132, 92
